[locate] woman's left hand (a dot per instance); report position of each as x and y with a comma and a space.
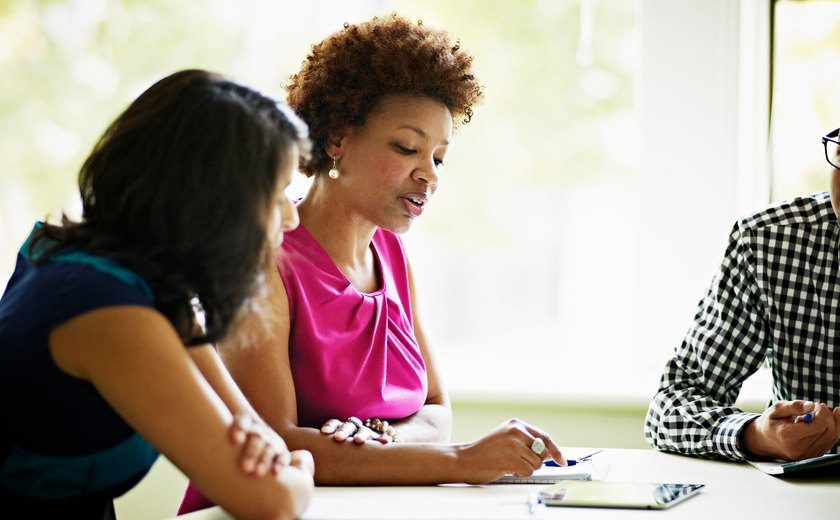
343, 430
263, 450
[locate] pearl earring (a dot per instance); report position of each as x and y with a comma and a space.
334, 173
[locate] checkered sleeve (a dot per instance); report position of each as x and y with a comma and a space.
693, 412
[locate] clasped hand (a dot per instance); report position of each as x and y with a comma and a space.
263, 450
780, 432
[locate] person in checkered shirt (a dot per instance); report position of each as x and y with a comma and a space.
775, 299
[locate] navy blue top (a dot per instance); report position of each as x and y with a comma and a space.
62, 447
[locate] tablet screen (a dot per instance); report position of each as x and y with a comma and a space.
600, 493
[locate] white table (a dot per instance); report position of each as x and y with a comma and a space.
733, 490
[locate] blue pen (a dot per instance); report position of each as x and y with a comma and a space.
571, 462
550, 462
808, 417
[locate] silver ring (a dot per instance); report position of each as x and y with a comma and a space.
538, 446
355, 421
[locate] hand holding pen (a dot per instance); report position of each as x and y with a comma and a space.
572, 462
792, 430
809, 415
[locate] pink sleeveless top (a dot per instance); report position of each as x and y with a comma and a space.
351, 353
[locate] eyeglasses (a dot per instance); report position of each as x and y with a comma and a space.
832, 148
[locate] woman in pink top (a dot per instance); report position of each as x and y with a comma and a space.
381, 99
343, 337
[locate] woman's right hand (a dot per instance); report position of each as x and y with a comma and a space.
506, 450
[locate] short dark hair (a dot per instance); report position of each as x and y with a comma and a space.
347, 74
179, 189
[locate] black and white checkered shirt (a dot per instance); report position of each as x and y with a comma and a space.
776, 297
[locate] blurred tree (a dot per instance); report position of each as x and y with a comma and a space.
69, 66
557, 119
807, 50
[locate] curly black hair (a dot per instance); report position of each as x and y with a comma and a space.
348, 73
179, 189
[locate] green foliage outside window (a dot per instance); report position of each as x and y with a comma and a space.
69, 66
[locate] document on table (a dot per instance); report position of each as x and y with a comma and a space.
778, 467
552, 474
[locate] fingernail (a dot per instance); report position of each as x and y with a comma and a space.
808, 405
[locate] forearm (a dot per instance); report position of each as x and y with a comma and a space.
282, 496
681, 422
211, 367
693, 411
296, 487
244, 495
373, 463
432, 423
149, 380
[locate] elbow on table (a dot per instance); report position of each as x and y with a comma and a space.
282, 506
286, 500
276, 510
653, 430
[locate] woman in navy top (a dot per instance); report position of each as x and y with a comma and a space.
183, 202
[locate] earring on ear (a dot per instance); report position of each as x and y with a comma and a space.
334, 173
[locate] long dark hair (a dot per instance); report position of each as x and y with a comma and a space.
179, 189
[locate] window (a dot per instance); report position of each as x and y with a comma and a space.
805, 88
517, 258
581, 213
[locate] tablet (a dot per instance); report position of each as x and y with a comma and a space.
779, 467
603, 493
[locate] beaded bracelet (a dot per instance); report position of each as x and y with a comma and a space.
383, 428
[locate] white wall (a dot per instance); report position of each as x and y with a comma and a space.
702, 116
